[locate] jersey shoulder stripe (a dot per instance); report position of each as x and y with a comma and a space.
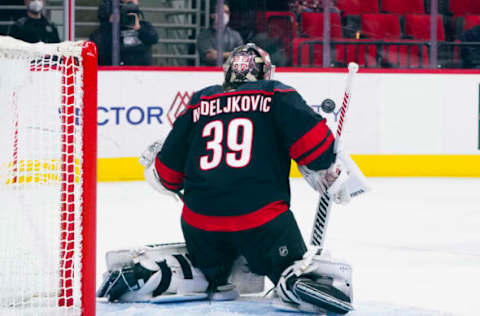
171, 179
321, 148
309, 140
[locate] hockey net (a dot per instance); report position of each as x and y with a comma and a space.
47, 178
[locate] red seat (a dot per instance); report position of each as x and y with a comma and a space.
418, 27
357, 6
464, 23
458, 7
474, 7
471, 21
317, 58
464, 7
364, 55
405, 54
403, 6
312, 24
282, 25
381, 26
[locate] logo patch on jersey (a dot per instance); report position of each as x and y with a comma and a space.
283, 251
179, 104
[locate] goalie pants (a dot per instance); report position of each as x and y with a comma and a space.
269, 249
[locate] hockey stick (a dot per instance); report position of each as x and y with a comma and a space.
322, 214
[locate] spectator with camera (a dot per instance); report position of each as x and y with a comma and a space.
136, 35
34, 26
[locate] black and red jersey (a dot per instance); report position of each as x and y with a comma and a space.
231, 153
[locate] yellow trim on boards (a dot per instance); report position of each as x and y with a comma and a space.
128, 168
419, 165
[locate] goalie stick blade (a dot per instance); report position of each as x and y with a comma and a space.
311, 294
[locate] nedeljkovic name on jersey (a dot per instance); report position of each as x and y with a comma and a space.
241, 103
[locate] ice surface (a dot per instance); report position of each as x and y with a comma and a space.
414, 244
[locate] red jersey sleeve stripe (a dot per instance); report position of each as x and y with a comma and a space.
234, 223
167, 174
311, 139
318, 152
172, 187
284, 90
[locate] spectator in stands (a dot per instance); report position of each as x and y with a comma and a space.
470, 54
136, 35
34, 26
299, 6
274, 48
207, 39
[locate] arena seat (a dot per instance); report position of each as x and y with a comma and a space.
471, 21
349, 7
364, 55
463, 23
304, 58
282, 25
404, 54
312, 24
464, 7
417, 26
403, 6
381, 26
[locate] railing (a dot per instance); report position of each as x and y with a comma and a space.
386, 54
461, 54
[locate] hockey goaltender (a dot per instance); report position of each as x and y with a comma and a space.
228, 158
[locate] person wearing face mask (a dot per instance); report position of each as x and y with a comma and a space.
207, 39
136, 35
34, 26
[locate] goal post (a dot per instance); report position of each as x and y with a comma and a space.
48, 134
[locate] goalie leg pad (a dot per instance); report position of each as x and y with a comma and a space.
118, 282
245, 281
171, 279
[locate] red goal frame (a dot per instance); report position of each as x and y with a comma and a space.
89, 144
89, 185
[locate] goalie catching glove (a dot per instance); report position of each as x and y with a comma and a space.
317, 284
147, 159
148, 156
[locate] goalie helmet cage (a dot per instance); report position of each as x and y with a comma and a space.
48, 134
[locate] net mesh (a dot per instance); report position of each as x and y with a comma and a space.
40, 178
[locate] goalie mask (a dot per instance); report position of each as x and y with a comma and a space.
247, 63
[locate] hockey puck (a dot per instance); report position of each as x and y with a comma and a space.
328, 105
